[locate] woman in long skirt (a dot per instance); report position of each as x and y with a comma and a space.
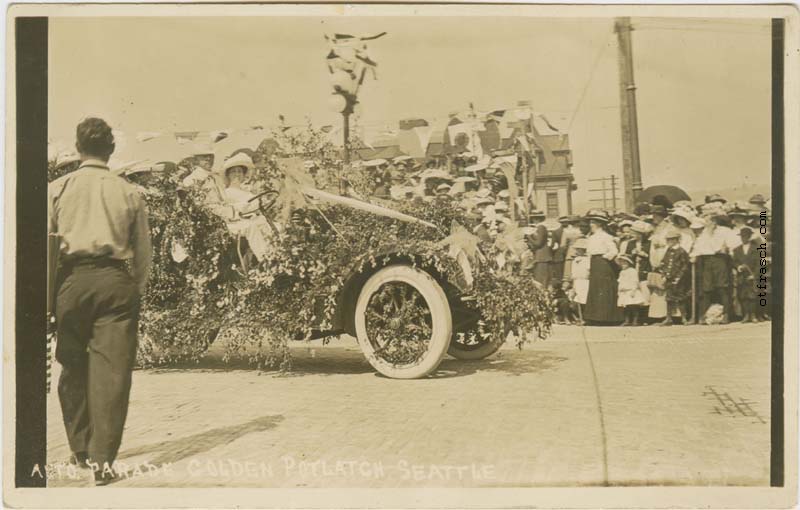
601, 303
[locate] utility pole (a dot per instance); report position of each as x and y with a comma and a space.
632, 174
613, 192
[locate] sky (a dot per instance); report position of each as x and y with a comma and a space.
703, 86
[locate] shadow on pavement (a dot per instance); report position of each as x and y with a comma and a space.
518, 363
176, 450
341, 361
351, 363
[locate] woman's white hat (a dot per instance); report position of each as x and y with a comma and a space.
698, 222
685, 214
642, 227
240, 159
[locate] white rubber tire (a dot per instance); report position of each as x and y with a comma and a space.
442, 321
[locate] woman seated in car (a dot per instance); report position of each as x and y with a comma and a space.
244, 222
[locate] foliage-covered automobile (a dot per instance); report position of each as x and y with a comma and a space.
409, 282
406, 279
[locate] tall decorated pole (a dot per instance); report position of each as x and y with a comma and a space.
348, 63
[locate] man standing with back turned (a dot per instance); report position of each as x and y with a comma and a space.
101, 221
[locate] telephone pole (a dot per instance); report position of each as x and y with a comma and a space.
631, 169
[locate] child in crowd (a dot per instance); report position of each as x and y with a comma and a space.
746, 264
580, 275
629, 293
561, 302
676, 269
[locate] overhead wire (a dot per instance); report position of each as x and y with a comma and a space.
713, 26
588, 81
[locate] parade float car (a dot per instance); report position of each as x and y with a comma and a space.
405, 314
406, 279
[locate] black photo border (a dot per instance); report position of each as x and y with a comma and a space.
31, 37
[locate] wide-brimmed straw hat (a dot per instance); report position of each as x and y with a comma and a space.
737, 211
570, 218
715, 198
684, 213
240, 159
551, 224
373, 163
713, 210
66, 158
642, 227
698, 222
476, 168
626, 258
597, 215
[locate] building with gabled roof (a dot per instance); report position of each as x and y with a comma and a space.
550, 171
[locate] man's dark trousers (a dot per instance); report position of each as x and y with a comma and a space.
97, 313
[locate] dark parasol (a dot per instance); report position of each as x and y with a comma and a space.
665, 195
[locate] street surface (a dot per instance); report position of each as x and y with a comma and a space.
632, 406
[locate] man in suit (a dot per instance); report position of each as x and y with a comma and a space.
539, 245
569, 234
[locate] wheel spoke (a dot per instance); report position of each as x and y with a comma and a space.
399, 324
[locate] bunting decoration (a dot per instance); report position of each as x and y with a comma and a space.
511, 240
295, 180
461, 240
186, 136
513, 193
147, 135
549, 125
462, 130
218, 136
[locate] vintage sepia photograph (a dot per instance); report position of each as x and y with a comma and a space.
407, 247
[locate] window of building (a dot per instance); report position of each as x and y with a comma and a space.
552, 205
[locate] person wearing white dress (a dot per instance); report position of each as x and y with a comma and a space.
712, 250
629, 294
253, 228
658, 248
580, 275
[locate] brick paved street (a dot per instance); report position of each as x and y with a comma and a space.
680, 405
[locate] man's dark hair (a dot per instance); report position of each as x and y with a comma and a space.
94, 138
